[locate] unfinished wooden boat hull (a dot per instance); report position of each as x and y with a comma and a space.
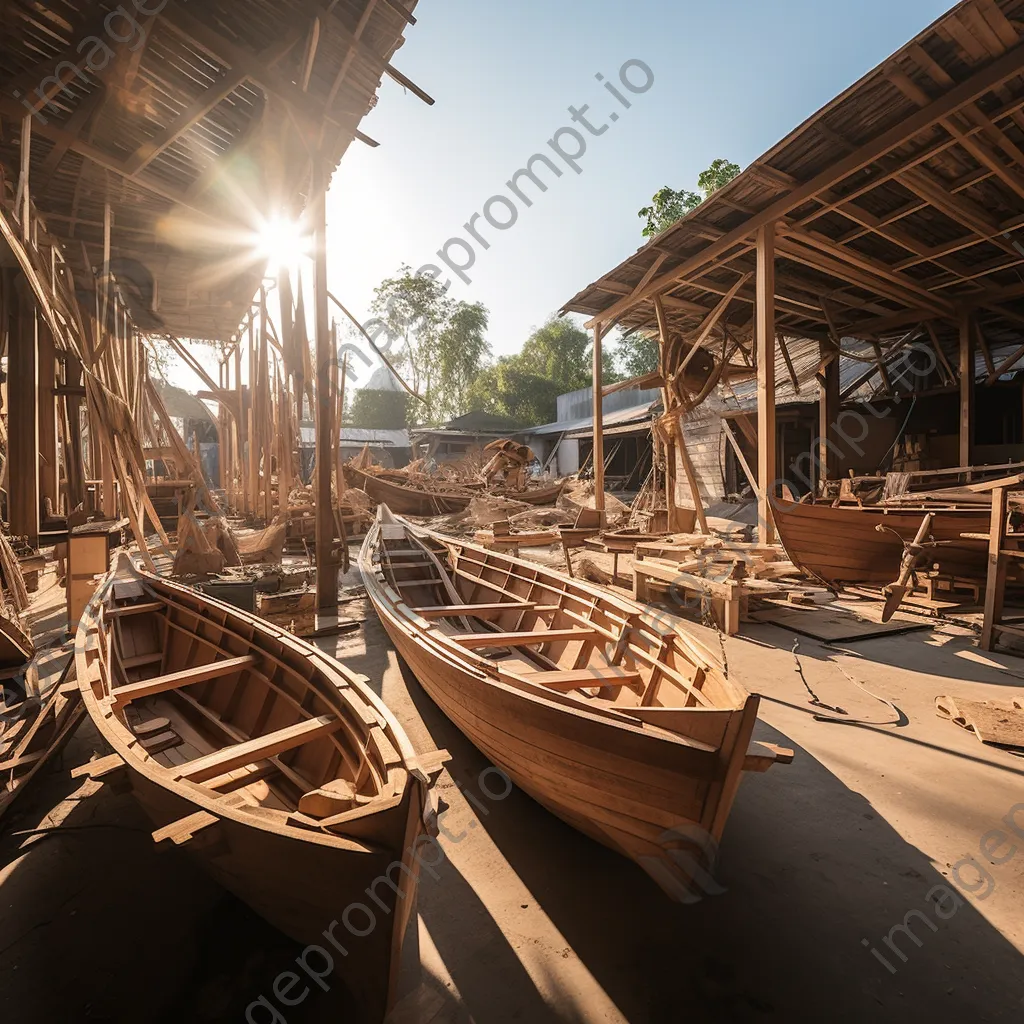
219, 724
410, 501
842, 545
654, 781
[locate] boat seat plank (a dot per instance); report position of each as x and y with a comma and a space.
444, 611
134, 609
141, 660
578, 678
239, 754
548, 636
186, 677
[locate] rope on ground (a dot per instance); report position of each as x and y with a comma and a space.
814, 701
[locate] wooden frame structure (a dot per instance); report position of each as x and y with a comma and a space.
894, 213
134, 192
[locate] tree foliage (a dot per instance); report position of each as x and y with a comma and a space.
668, 205
556, 358
636, 355
439, 343
379, 410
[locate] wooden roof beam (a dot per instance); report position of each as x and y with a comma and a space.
977, 85
862, 262
228, 82
846, 271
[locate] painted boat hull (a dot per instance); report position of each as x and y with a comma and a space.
410, 501
300, 878
657, 796
842, 545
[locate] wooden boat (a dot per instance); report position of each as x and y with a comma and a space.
32, 733
274, 765
412, 501
843, 545
611, 716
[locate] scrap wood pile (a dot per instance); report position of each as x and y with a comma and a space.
206, 549
34, 730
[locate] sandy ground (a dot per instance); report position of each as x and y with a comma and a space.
529, 921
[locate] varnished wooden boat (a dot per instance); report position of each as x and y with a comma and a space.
842, 545
411, 501
274, 765
611, 716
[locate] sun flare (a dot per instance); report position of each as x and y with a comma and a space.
284, 243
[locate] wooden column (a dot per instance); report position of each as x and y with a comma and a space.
23, 423
49, 471
828, 415
764, 321
326, 355
598, 425
966, 391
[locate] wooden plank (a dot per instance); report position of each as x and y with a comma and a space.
765, 331
444, 611
240, 754
472, 641
186, 677
995, 585
579, 678
184, 829
133, 609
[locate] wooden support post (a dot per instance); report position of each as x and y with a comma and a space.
23, 424
326, 354
828, 415
49, 475
966, 391
691, 479
995, 587
598, 426
253, 488
765, 332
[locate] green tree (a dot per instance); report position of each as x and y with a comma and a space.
556, 358
717, 176
509, 389
668, 205
379, 410
560, 351
637, 355
462, 351
439, 343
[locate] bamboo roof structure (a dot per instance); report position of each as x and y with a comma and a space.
897, 206
191, 126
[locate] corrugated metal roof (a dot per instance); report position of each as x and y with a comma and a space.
635, 414
360, 436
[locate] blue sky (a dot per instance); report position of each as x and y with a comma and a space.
730, 80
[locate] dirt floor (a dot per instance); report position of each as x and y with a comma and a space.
528, 921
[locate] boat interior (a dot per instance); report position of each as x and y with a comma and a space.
555, 637
214, 700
